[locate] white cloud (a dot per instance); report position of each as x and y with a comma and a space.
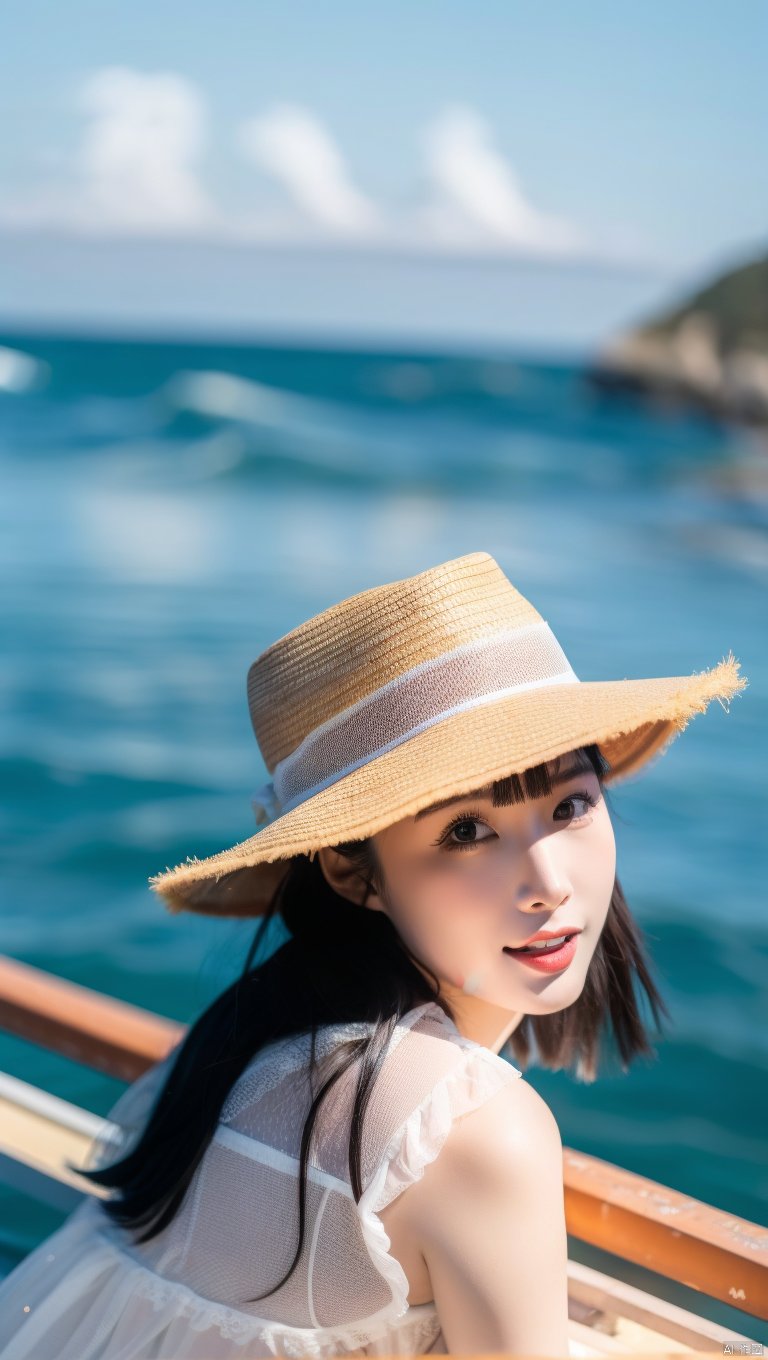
142, 142
291, 144
137, 171
476, 197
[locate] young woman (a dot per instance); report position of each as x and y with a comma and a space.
340, 1157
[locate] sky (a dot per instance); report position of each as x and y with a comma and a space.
502, 169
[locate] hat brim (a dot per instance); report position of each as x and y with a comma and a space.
632, 721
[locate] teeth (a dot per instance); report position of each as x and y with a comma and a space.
543, 945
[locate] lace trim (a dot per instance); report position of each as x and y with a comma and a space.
421, 1321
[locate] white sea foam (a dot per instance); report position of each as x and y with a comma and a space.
19, 372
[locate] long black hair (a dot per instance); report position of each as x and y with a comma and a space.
315, 979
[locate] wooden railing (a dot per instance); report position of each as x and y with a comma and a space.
720, 1254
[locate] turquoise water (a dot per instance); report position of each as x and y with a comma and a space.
168, 510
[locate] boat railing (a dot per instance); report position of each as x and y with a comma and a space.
636, 1219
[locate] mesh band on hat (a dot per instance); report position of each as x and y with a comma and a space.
475, 673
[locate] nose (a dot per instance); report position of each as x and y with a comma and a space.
544, 884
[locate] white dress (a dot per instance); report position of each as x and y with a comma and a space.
89, 1293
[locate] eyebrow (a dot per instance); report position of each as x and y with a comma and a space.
561, 778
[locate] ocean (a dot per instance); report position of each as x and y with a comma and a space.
170, 508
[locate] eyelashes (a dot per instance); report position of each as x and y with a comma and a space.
475, 815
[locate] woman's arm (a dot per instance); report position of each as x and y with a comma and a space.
489, 1218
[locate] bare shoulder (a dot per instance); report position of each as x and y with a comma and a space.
495, 1146
488, 1216
506, 1136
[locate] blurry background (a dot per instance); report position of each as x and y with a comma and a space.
296, 300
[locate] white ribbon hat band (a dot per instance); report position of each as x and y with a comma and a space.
476, 673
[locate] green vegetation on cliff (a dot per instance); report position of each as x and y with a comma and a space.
737, 303
709, 351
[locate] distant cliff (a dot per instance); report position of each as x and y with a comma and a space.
710, 351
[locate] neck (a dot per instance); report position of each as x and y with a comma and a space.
479, 1020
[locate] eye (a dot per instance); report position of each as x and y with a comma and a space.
464, 827
583, 800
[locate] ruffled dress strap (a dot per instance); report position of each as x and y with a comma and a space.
468, 1075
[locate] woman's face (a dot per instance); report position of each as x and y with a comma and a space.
465, 879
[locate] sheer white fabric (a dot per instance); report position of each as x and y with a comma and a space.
89, 1293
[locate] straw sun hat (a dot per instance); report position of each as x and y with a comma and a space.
412, 692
